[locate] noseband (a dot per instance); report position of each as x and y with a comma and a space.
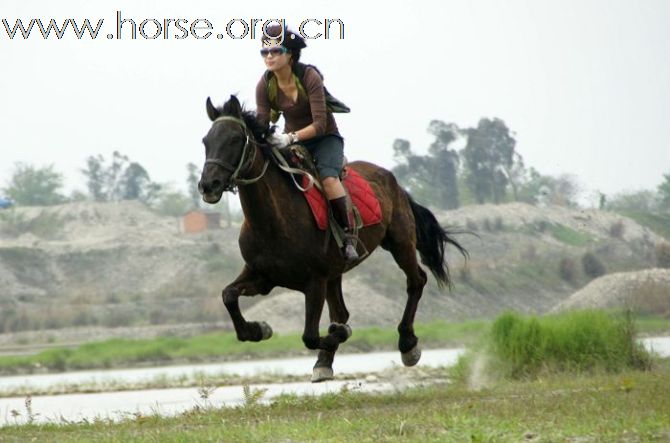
246, 160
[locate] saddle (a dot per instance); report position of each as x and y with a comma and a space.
298, 157
299, 162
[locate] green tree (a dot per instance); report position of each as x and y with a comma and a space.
664, 193
639, 201
122, 179
431, 178
536, 188
446, 163
32, 186
134, 183
113, 176
192, 180
172, 203
489, 159
95, 177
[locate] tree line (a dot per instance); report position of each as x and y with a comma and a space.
489, 169
115, 179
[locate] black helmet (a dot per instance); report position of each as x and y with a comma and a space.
291, 40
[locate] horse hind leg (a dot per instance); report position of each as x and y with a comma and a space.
403, 250
248, 284
323, 369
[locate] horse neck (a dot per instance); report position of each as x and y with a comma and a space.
264, 202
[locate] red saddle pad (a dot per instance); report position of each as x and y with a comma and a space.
362, 197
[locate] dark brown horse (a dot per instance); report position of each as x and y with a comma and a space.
282, 246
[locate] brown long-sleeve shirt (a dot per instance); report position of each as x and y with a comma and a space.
306, 111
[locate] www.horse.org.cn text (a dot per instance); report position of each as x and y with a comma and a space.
128, 28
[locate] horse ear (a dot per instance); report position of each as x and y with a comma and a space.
212, 113
235, 106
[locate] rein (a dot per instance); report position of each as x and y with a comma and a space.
246, 160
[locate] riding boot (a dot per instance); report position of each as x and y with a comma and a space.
344, 217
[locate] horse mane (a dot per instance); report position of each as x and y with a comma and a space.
233, 108
260, 130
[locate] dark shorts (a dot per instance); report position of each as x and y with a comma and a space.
328, 153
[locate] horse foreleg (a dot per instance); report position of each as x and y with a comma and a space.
323, 369
315, 296
247, 283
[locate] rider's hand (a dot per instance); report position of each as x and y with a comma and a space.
280, 140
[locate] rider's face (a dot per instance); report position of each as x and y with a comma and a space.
275, 62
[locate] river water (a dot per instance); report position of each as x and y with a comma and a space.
117, 405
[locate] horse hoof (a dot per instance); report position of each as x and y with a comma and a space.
411, 357
322, 374
341, 330
266, 330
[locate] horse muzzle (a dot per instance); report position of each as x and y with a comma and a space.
211, 192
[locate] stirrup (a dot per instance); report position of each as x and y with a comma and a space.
349, 251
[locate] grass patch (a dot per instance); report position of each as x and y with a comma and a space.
658, 223
46, 225
580, 341
222, 346
625, 407
568, 235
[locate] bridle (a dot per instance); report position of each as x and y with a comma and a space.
246, 160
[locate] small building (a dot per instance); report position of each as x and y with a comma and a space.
200, 221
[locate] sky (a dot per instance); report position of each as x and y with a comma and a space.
584, 85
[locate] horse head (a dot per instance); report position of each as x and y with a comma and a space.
227, 149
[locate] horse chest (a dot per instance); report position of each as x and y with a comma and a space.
282, 258
276, 255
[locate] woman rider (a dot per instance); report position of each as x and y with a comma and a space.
306, 121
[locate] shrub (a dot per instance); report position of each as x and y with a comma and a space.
540, 225
499, 226
617, 229
651, 298
568, 269
592, 265
487, 225
44, 225
663, 255
471, 224
119, 317
530, 253
573, 341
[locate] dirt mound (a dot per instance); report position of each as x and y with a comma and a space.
516, 215
647, 291
80, 225
285, 311
121, 264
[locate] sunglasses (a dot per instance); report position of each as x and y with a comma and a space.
274, 51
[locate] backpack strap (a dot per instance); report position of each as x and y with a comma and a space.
272, 90
332, 103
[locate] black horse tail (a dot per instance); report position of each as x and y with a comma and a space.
431, 240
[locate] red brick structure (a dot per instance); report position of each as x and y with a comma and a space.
199, 221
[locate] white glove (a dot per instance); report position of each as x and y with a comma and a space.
280, 140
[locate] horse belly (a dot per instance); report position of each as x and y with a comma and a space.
280, 262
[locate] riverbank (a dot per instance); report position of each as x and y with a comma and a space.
224, 346
629, 406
